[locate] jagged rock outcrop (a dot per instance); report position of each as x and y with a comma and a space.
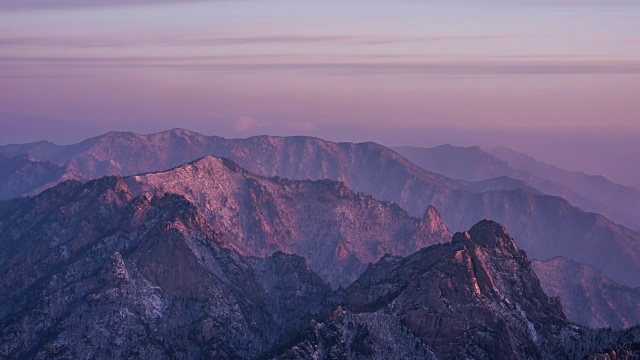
617, 352
588, 297
338, 231
474, 298
357, 336
545, 226
627, 347
477, 297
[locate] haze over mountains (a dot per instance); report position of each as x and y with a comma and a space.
23, 174
588, 192
588, 296
545, 226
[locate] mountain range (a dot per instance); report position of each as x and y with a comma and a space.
104, 270
289, 262
473, 164
545, 226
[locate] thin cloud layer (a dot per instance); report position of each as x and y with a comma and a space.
345, 67
69, 4
83, 41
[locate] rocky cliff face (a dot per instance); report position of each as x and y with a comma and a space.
346, 335
551, 227
627, 347
476, 296
544, 226
339, 232
91, 271
588, 297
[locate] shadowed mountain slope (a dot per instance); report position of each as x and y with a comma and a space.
587, 295
24, 175
90, 271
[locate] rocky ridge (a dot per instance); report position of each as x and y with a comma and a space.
474, 298
338, 231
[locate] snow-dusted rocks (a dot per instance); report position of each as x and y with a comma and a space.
338, 231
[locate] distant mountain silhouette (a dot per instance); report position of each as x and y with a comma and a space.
590, 193
23, 174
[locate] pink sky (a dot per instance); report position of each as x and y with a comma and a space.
331, 69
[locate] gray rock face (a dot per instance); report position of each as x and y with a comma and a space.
474, 298
617, 352
339, 232
91, 271
588, 297
477, 296
357, 336
544, 226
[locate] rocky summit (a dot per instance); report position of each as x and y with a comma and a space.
477, 296
474, 298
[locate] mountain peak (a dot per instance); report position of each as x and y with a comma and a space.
181, 132
488, 234
209, 162
432, 221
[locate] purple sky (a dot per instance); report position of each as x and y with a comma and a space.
565, 74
